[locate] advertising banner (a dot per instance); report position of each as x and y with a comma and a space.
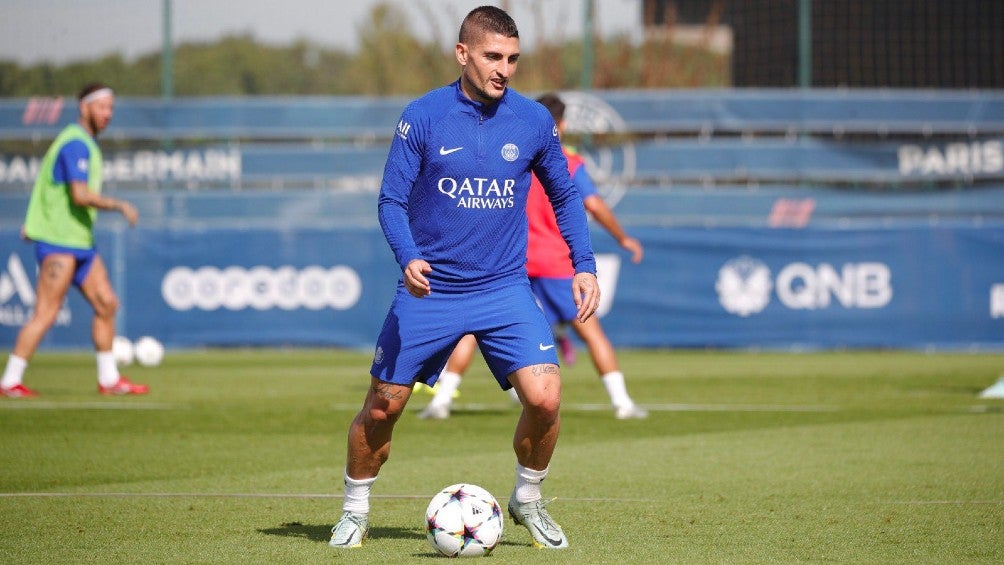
898, 287
909, 287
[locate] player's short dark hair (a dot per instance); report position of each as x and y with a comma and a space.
487, 19
553, 103
89, 88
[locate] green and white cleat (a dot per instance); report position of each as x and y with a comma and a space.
545, 532
350, 531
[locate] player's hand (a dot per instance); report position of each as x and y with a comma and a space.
633, 246
414, 278
586, 293
129, 212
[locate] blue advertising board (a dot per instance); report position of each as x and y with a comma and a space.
909, 286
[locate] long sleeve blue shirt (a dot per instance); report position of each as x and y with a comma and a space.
455, 186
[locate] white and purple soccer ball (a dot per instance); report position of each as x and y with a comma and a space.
463, 520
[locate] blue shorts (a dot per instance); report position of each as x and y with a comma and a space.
420, 333
84, 258
555, 298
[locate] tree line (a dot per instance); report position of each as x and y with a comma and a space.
390, 60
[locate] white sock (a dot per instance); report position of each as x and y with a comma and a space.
108, 372
528, 483
445, 387
614, 383
13, 372
357, 495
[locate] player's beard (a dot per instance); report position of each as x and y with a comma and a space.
487, 91
96, 124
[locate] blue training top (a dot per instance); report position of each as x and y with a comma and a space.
455, 186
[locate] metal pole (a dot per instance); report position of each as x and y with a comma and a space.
166, 58
805, 43
587, 45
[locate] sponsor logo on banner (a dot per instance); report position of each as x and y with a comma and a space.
17, 296
613, 164
187, 166
261, 288
960, 159
745, 286
608, 266
997, 301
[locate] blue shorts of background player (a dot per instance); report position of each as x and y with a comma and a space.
83, 258
554, 298
419, 334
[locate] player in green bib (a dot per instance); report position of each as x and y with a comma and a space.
60, 220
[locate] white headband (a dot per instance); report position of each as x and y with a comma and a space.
99, 93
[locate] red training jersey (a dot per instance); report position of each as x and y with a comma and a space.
547, 253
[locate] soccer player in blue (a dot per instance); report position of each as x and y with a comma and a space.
453, 209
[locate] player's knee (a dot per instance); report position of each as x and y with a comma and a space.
543, 408
106, 305
382, 415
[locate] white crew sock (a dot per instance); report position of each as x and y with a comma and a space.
514, 395
13, 372
528, 483
357, 495
108, 372
614, 383
446, 385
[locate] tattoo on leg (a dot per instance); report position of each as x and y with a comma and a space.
546, 369
53, 270
384, 390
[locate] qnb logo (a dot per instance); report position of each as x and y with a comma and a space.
744, 286
482, 193
261, 288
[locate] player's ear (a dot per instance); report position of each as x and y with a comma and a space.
462, 54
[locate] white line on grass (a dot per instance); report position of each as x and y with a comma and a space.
383, 496
254, 495
947, 502
42, 405
479, 407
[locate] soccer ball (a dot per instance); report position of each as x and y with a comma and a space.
463, 520
122, 350
149, 352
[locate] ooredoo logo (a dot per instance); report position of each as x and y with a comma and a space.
744, 286
261, 288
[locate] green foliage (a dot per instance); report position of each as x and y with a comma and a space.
236, 456
390, 60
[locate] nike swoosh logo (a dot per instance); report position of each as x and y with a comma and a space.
445, 151
543, 534
546, 347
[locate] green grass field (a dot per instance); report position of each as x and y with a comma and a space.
237, 456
